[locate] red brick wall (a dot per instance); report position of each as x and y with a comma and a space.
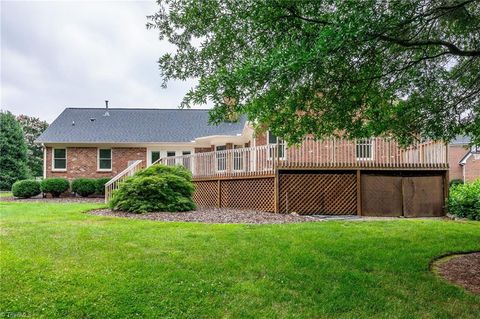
455, 154
472, 169
82, 162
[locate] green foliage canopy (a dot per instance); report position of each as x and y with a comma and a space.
32, 128
13, 151
403, 68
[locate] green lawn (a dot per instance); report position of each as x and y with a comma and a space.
59, 263
6, 194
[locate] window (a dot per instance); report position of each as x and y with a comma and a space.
272, 139
154, 156
170, 153
59, 158
221, 158
104, 159
364, 150
237, 158
186, 160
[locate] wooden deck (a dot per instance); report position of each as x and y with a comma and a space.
334, 154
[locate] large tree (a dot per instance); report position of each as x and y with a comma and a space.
13, 151
32, 128
403, 68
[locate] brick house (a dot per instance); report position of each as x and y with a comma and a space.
234, 167
464, 160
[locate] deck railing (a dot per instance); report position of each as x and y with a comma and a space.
332, 153
112, 184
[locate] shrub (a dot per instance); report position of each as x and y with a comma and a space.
159, 169
155, 189
84, 186
26, 188
464, 200
100, 185
454, 182
54, 186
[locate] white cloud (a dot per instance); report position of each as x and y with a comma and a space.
79, 53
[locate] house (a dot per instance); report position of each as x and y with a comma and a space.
232, 166
464, 160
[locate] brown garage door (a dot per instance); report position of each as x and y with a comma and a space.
410, 196
423, 196
381, 195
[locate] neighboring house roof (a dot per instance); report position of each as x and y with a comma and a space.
461, 139
126, 125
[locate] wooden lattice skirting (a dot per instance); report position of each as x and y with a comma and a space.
323, 193
348, 192
249, 193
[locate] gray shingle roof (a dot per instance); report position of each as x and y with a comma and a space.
461, 139
134, 126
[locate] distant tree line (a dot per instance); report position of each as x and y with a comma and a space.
20, 157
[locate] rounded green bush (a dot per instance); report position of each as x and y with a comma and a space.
54, 186
160, 169
464, 200
160, 189
26, 188
100, 185
454, 182
84, 186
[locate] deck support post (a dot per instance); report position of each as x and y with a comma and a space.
359, 193
446, 181
277, 191
219, 193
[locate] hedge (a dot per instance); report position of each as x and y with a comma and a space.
100, 185
155, 189
26, 188
84, 186
54, 186
464, 200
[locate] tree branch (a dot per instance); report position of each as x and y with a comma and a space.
452, 48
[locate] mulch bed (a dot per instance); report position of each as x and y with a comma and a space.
40, 199
462, 270
213, 215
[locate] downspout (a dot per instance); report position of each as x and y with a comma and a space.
463, 172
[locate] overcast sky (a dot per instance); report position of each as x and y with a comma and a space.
56, 54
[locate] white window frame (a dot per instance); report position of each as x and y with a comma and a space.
98, 160
282, 144
224, 158
241, 158
151, 155
53, 160
372, 149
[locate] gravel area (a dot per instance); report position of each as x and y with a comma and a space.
214, 215
40, 199
235, 216
462, 270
